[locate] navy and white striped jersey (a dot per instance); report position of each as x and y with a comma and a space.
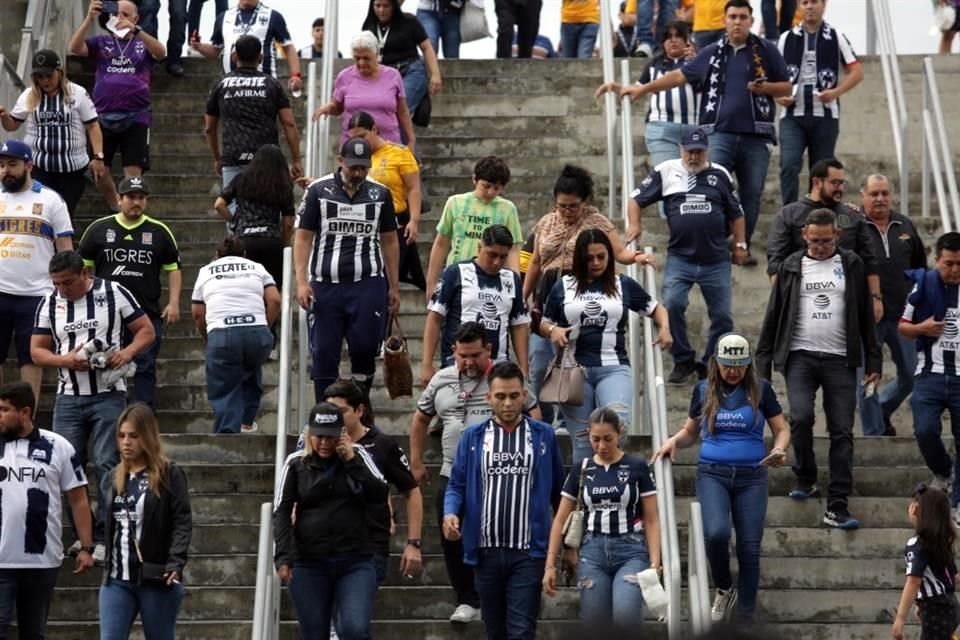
936, 580
811, 73
127, 514
100, 315
612, 496
940, 354
346, 245
599, 319
678, 105
36, 471
507, 473
467, 293
261, 21
56, 129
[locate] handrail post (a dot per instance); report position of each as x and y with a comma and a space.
931, 89
283, 390
610, 107
264, 570
924, 150
945, 219
697, 568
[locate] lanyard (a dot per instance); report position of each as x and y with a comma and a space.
465, 395
382, 36
246, 26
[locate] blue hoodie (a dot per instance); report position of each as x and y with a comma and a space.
465, 488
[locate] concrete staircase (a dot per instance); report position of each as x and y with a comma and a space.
816, 583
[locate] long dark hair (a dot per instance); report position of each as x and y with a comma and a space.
934, 526
581, 266
711, 403
371, 21
267, 178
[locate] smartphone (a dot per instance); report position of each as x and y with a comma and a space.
110, 7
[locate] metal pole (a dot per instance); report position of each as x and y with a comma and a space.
924, 150
264, 569
610, 107
283, 391
937, 175
698, 555
934, 94
871, 28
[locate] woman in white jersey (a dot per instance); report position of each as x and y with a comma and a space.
235, 301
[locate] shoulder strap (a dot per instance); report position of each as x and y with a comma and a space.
583, 467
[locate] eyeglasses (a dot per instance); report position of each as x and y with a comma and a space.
569, 206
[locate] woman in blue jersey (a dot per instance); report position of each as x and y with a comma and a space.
587, 310
621, 529
728, 410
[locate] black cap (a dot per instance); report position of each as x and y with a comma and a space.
45, 60
133, 183
694, 140
325, 420
356, 152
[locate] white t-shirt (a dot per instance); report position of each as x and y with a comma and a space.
30, 221
821, 315
34, 473
57, 129
232, 289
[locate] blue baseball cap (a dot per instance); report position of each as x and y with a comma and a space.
16, 149
695, 140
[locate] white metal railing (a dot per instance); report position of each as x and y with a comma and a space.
663, 468
697, 588
10, 88
48, 25
936, 156
610, 107
893, 82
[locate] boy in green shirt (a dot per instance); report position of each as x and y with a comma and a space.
466, 215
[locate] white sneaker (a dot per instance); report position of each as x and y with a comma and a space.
722, 604
99, 554
644, 50
464, 613
73, 550
943, 484
249, 428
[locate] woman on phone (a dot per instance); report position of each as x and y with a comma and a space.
728, 410
147, 534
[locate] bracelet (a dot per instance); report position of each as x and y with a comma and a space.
296, 75
549, 568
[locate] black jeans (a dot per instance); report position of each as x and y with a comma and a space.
28, 590
69, 185
460, 574
525, 15
805, 372
178, 30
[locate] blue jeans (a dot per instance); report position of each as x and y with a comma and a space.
76, 418
121, 600
509, 583
195, 11
605, 597
415, 84
177, 34
577, 39
541, 355
817, 135
29, 592
748, 156
148, 11
739, 494
443, 26
663, 143
886, 400
667, 11
610, 386
934, 393
346, 584
234, 384
145, 379
679, 275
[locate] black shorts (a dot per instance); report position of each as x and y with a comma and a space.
133, 145
17, 315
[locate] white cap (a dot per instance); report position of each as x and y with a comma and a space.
733, 350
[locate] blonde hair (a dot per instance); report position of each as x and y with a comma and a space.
36, 93
144, 421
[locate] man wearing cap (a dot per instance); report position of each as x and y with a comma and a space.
133, 249
346, 256
702, 209
124, 61
34, 225
818, 329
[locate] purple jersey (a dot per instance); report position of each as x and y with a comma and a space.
122, 82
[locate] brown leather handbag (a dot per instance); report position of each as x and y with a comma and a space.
564, 381
397, 372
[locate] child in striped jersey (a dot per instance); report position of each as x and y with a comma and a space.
931, 568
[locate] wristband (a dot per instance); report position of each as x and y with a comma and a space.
296, 75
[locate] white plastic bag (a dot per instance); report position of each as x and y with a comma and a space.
473, 22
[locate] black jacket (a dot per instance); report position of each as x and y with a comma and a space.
331, 498
167, 522
897, 251
778, 323
785, 235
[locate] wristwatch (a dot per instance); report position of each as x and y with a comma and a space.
876, 296
415, 542
741, 245
96, 156
137, 30
87, 549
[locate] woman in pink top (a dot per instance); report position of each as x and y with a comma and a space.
371, 87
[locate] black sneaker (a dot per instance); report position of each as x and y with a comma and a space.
681, 371
890, 430
701, 371
803, 492
840, 518
175, 69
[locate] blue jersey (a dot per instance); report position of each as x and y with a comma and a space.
699, 207
599, 319
612, 496
467, 293
737, 436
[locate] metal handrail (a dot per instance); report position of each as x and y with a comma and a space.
10, 88
937, 158
663, 468
610, 108
697, 587
897, 104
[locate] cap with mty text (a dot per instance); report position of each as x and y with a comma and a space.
733, 350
